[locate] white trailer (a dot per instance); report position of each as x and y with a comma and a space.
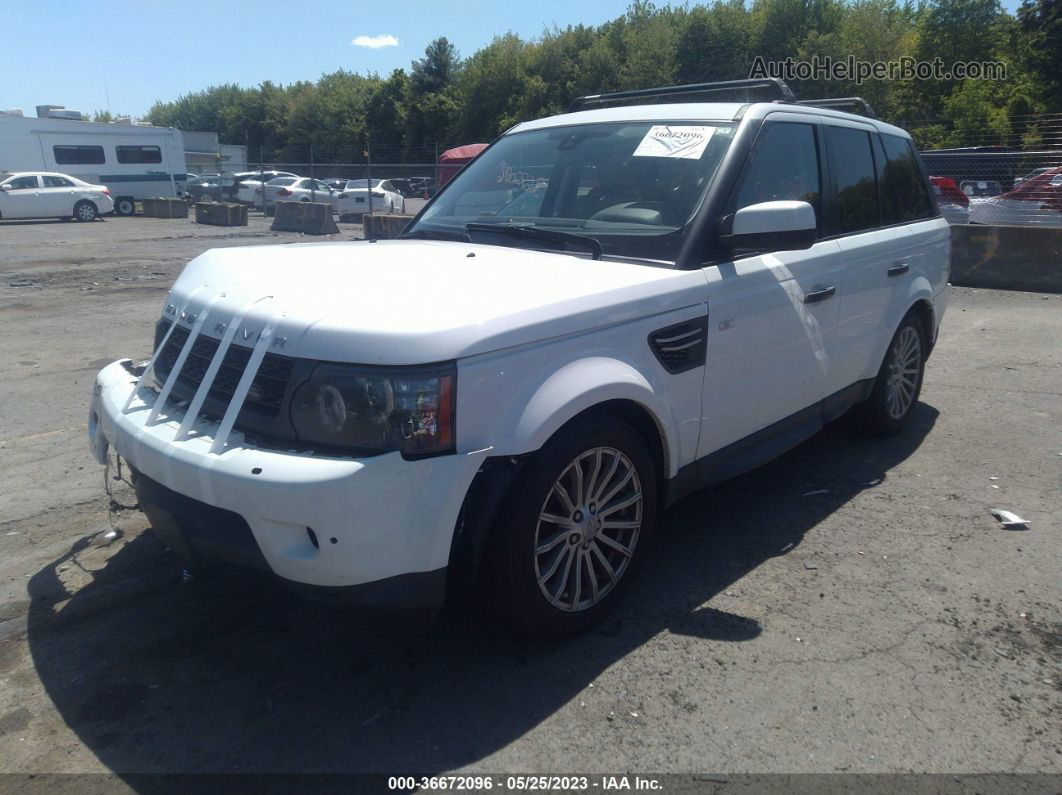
133, 161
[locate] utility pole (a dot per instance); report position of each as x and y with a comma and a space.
368, 168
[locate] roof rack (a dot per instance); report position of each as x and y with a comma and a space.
784, 92
842, 102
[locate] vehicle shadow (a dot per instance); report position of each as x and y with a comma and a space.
231, 674
40, 221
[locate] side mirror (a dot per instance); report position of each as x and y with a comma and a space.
6, 187
770, 226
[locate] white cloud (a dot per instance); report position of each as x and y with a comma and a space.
375, 42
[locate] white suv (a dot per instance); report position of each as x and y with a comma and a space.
604, 311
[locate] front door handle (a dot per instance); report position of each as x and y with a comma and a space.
819, 295
899, 269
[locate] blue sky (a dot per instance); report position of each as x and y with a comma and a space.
66, 52
125, 54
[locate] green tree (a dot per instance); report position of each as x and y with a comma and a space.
1041, 25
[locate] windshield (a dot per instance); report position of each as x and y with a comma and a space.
281, 181
633, 186
362, 183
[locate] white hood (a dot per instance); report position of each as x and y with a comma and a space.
416, 302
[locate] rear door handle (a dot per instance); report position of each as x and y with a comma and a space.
819, 295
899, 269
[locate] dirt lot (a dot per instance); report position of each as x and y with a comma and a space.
882, 623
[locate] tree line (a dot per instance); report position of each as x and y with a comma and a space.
445, 99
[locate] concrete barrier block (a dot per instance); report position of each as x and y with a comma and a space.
164, 207
1007, 257
310, 218
384, 227
217, 214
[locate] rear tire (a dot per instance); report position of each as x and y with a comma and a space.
899, 382
124, 206
85, 211
571, 536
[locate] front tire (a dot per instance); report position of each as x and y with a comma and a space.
124, 206
85, 211
572, 535
899, 382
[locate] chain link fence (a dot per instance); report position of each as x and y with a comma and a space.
1003, 171
411, 172
1009, 173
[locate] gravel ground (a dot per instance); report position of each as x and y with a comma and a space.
883, 623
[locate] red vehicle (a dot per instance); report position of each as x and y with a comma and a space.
949, 191
453, 160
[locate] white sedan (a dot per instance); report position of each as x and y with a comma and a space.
46, 194
354, 198
296, 189
1036, 202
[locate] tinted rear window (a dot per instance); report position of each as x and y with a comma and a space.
904, 196
854, 178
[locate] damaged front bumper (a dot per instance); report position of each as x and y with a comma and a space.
381, 526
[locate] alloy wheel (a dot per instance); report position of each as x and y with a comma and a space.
587, 529
905, 361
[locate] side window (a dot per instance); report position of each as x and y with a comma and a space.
138, 154
783, 164
78, 155
857, 192
56, 182
904, 196
23, 183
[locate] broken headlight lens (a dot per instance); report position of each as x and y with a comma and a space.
374, 410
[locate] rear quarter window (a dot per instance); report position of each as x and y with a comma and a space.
904, 195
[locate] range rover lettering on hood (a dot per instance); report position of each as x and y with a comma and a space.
411, 302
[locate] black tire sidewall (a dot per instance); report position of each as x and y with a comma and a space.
876, 412
512, 585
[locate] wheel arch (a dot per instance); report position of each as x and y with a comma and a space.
492, 484
592, 386
923, 308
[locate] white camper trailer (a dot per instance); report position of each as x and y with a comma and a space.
133, 161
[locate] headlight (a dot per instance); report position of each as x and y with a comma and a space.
376, 409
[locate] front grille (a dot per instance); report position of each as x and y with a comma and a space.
270, 384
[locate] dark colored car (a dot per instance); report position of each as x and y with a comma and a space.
403, 186
337, 183
202, 189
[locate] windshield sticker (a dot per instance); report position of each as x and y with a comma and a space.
666, 140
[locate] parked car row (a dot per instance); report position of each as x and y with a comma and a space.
348, 197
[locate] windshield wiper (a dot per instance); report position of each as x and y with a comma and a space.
537, 233
438, 234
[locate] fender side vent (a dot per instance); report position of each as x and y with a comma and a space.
681, 347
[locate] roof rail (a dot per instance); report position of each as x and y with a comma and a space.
784, 92
842, 102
